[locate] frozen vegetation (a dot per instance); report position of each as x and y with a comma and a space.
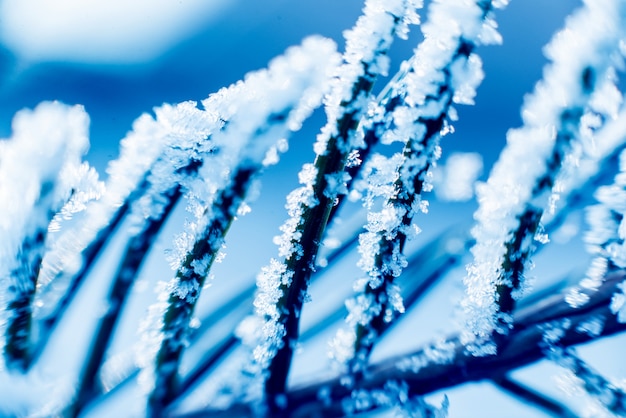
76, 249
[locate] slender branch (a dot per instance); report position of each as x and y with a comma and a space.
522, 346
191, 277
535, 398
268, 107
515, 196
324, 181
138, 246
608, 395
382, 247
35, 196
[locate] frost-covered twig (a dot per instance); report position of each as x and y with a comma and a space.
270, 102
445, 72
187, 145
144, 172
520, 185
49, 141
446, 364
137, 247
283, 286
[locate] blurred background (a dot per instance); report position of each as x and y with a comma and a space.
122, 58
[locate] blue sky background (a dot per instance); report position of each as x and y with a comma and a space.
243, 36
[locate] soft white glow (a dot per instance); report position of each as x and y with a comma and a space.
100, 31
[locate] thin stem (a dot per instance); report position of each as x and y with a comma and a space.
522, 346
600, 389
537, 399
17, 350
136, 250
191, 278
330, 163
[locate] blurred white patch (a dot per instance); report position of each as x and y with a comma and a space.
455, 180
100, 31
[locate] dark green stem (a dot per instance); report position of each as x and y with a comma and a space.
180, 307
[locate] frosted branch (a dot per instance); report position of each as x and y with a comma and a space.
271, 102
439, 77
283, 286
521, 182
50, 140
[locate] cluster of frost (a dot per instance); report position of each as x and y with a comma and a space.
260, 110
602, 131
605, 239
441, 352
365, 58
150, 155
443, 71
50, 141
520, 184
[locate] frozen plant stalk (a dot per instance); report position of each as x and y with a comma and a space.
41, 169
183, 133
269, 103
283, 285
439, 76
520, 185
